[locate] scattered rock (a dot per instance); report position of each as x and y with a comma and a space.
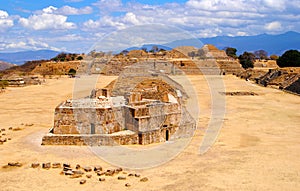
29, 124
83, 181
100, 173
97, 168
137, 175
87, 169
119, 169
17, 129
3, 140
9, 139
69, 172
10, 128
14, 164
127, 184
145, 179
67, 165
131, 174
124, 172
35, 165
89, 176
101, 179
77, 166
46, 165
56, 165
2, 129
109, 173
3, 134
121, 177
78, 172
67, 168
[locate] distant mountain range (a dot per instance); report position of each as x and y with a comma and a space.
5, 65
273, 44
20, 58
148, 47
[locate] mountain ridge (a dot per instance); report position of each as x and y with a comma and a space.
21, 57
273, 44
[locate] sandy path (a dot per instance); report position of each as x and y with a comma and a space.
258, 147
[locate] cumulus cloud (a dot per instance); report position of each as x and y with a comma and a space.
28, 44
46, 21
5, 21
273, 26
131, 18
67, 10
275, 4
202, 18
106, 6
49, 9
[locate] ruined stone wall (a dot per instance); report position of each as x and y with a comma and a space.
152, 117
91, 140
265, 64
82, 120
157, 136
131, 123
146, 138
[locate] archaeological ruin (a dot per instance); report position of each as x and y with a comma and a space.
142, 106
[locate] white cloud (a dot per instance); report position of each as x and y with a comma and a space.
49, 9
28, 44
222, 5
241, 33
46, 21
67, 10
275, 4
202, 18
273, 26
131, 18
5, 21
106, 6
90, 24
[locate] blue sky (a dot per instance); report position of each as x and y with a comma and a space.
76, 25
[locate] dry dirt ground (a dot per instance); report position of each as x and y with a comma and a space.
258, 147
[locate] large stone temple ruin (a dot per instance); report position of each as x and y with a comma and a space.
140, 107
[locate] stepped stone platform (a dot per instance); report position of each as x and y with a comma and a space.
182, 60
141, 107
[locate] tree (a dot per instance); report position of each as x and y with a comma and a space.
261, 54
60, 57
3, 84
231, 52
290, 58
274, 57
124, 52
72, 72
192, 54
154, 49
144, 49
79, 58
247, 60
